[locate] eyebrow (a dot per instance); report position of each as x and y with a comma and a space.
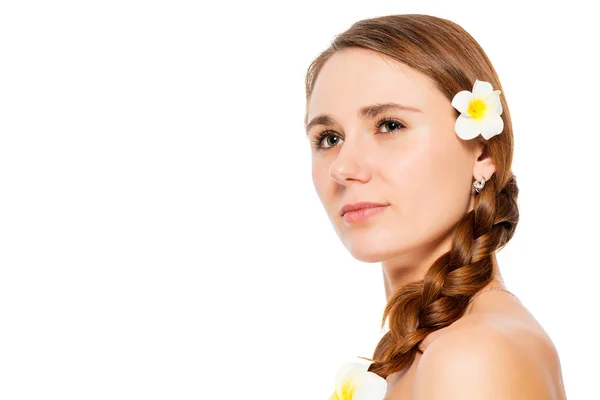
370, 111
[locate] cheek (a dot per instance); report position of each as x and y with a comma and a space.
429, 188
320, 179
442, 194
451, 171
411, 183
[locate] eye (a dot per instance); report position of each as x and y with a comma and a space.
390, 122
392, 127
322, 137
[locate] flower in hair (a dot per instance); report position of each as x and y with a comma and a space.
480, 112
355, 382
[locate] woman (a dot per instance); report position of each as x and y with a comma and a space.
411, 157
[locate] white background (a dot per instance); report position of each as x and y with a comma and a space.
160, 237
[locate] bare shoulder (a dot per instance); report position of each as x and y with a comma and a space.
490, 356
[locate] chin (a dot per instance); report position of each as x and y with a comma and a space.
371, 244
368, 257
368, 254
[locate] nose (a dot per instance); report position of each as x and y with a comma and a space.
350, 164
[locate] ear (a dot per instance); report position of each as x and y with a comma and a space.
484, 165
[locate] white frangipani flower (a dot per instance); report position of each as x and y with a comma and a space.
354, 382
480, 112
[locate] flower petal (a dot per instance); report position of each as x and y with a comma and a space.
350, 370
370, 386
461, 101
467, 128
491, 125
492, 102
482, 89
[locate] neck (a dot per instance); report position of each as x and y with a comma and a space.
413, 266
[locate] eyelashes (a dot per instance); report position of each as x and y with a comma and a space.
318, 140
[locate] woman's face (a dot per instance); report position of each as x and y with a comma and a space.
415, 163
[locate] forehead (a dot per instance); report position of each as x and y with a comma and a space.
352, 78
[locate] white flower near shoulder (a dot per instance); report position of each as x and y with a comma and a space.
480, 112
354, 382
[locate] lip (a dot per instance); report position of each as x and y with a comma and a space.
358, 206
362, 214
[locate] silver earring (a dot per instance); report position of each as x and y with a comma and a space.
479, 185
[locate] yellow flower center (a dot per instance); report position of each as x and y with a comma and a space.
347, 390
476, 108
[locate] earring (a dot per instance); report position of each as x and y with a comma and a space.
479, 185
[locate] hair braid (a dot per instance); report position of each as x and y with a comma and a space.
441, 297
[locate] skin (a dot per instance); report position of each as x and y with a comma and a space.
424, 173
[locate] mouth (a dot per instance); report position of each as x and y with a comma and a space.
360, 206
364, 213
